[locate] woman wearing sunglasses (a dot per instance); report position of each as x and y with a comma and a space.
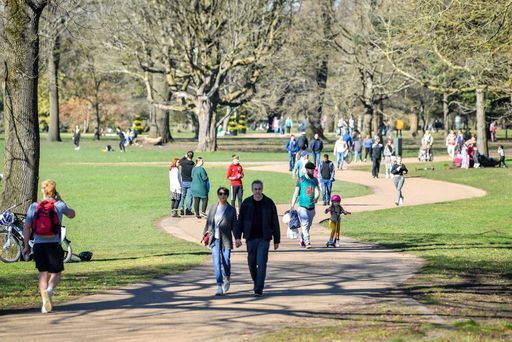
220, 223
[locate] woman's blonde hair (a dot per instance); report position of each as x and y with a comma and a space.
49, 188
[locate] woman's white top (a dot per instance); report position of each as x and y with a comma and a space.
175, 180
218, 217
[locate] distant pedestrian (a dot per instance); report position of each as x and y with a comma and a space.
122, 139
48, 253
326, 177
235, 174
335, 210
340, 151
307, 191
451, 143
76, 138
358, 148
200, 186
399, 170
493, 127
368, 143
377, 150
186, 166
220, 225
316, 145
292, 148
389, 151
299, 169
501, 154
289, 125
258, 224
302, 141
175, 186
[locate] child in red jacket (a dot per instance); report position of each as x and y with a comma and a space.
235, 174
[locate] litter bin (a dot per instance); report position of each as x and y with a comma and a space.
398, 146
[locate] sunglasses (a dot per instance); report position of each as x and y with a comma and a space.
222, 193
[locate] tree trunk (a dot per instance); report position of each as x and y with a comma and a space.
162, 116
413, 123
205, 111
53, 90
153, 129
367, 123
445, 114
98, 119
21, 63
481, 136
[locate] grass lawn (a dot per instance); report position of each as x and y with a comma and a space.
118, 198
467, 278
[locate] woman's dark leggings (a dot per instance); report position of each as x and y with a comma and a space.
204, 204
175, 203
367, 151
121, 145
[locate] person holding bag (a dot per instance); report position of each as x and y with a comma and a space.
218, 235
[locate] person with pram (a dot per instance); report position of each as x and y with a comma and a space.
425, 153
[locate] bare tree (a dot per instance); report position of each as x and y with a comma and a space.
21, 67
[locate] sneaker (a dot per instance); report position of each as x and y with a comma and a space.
302, 243
337, 245
258, 293
219, 291
199, 216
189, 212
308, 245
182, 212
47, 302
225, 286
329, 243
203, 214
401, 201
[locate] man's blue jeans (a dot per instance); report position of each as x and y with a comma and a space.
326, 189
257, 256
185, 189
291, 157
316, 158
221, 259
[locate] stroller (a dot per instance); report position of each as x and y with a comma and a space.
425, 153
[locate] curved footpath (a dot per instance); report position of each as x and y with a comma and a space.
303, 286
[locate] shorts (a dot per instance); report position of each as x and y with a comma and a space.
49, 257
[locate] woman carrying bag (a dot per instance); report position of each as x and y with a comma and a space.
218, 230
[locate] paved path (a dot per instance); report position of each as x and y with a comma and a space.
302, 286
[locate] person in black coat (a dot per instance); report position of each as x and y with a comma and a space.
398, 170
377, 150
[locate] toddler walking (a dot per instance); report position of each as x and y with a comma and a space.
336, 210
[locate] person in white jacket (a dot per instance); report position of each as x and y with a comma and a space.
340, 151
175, 186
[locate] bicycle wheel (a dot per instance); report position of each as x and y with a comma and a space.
349, 157
10, 248
68, 251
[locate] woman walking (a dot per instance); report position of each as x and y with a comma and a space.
175, 186
219, 226
398, 170
200, 187
389, 152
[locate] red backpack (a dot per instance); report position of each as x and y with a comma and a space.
46, 219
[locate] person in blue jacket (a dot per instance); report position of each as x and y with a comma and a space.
292, 147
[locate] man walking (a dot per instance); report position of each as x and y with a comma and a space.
377, 150
307, 192
326, 173
258, 224
48, 253
186, 165
316, 145
292, 148
235, 174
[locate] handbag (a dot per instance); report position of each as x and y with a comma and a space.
206, 239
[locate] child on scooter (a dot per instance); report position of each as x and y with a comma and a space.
336, 210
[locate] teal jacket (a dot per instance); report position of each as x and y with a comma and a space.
200, 182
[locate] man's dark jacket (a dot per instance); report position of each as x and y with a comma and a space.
270, 221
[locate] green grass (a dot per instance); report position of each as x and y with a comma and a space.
118, 198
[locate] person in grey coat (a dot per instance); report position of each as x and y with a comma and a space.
220, 223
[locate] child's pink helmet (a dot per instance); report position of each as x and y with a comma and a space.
335, 198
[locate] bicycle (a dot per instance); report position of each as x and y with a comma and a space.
11, 238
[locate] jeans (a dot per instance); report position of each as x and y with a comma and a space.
399, 183
388, 164
326, 185
316, 158
340, 158
257, 256
358, 155
306, 218
185, 190
291, 157
221, 260
451, 151
367, 152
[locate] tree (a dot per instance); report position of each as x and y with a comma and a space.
21, 62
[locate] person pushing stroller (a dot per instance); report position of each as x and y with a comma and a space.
336, 210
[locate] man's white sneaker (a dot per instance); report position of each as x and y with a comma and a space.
219, 291
308, 245
225, 286
47, 302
